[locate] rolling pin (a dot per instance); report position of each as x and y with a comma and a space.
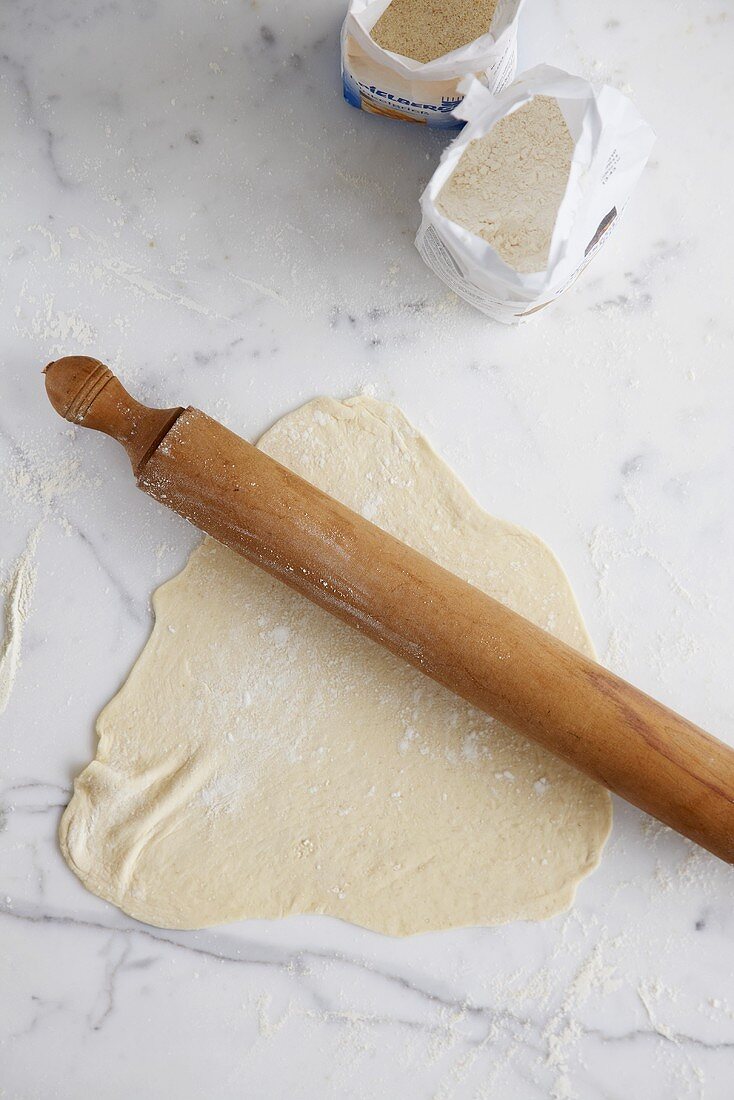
450, 630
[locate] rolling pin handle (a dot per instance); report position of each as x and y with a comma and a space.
86, 392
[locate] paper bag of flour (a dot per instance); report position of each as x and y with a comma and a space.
383, 82
606, 144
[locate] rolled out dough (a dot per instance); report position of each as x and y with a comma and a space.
264, 759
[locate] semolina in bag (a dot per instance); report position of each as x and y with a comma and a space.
386, 83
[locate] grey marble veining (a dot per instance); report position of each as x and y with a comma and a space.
185, 194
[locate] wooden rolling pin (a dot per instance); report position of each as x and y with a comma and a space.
456, 634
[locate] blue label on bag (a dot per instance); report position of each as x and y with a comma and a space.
376, 101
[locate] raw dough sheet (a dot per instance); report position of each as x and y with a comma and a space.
264, 759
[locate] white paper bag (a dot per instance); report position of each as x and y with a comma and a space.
611, 146
384, 83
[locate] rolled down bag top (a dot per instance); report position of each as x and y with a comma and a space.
612, 143
385, 83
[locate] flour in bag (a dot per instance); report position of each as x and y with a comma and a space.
509, 184
424, 30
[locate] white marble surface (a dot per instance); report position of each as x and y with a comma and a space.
184, 193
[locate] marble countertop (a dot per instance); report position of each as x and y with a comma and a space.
185, 194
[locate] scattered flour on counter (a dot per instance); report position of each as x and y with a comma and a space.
423, 30
546, 1016
18, 597
54, 243
612, 549
595, 976
56, 328
40, 479
509, 184
37, 476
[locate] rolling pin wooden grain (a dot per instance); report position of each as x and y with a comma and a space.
450, 630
